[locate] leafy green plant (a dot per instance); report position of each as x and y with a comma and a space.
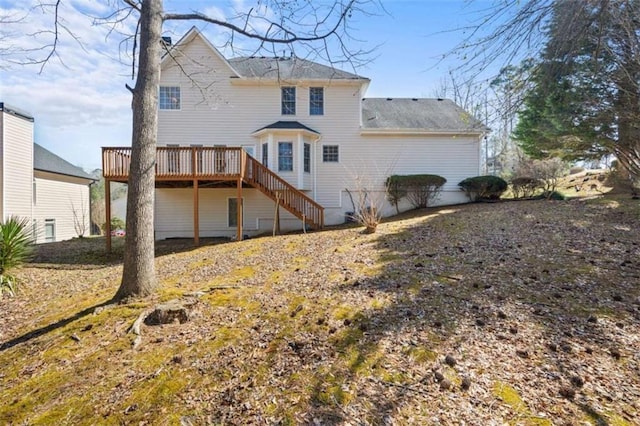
16, 246
484, 187
420, 190
117, 223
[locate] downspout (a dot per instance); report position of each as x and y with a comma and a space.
315, 169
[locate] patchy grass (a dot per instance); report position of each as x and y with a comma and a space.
341, 327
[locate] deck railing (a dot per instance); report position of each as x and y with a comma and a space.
217, 163
282, 191
178, 163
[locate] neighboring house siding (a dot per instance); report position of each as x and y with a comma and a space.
174, 213
17, 164
1, 166
57, 197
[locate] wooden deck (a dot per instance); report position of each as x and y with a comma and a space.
192, 165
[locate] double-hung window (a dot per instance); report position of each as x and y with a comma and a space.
307, 158
316, 101
330, 154
169, 97
265, 154
288, 101
285, 156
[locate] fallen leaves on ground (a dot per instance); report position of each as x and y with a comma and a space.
507, 313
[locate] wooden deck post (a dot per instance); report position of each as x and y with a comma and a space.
107, 212
196, 213
240, 213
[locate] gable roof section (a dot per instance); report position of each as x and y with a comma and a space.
288, 68
266, 68
406, 115
188, 38
46, 161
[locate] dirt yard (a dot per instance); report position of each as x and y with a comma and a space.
522, 313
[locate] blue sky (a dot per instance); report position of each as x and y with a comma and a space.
80, 103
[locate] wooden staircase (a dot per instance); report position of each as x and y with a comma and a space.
214, 164
281, 191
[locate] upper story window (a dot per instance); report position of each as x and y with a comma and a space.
288, 101
330, 153
285, 156
169, 97
316, 101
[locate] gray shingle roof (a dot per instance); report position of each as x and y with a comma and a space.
294, 125
418, 114
47, 161
288, 68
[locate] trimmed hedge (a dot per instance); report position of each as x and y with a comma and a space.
484, 187
525, 187
419, 189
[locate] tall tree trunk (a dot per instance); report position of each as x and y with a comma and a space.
138, 275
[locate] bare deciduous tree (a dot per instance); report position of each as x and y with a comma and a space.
320, 28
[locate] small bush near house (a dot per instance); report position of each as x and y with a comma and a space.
484, 187
525, 187
117, 224
420, 190
16, 245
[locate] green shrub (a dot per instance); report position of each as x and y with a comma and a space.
484, 187
525, 187
420, 190
116, 223
16, 246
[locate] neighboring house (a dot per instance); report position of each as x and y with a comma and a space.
286, 131
39, 185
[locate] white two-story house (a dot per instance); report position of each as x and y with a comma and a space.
249, 141
38, 185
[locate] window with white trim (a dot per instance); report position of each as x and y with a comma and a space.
316, 101
288, 101
330, 153
307, 158
285, 156
265, 154
169, 97
49, 230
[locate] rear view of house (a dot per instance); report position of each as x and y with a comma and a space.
39, 185
241, 139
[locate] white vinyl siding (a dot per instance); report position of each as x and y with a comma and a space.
235, 108
231, 112
58, 197
174, 213
17, 166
